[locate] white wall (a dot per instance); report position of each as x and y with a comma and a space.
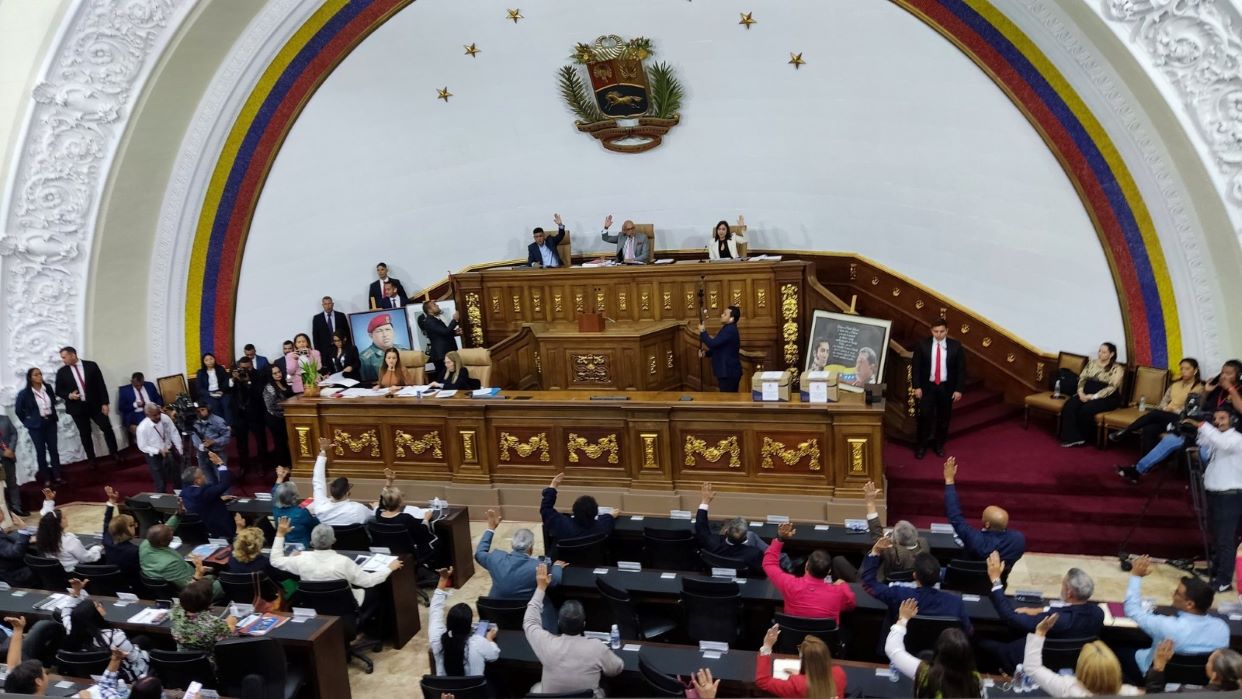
889, 143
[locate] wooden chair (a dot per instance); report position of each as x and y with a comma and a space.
565, 250
415, 364
1044, 402
478, 361
743, 246
172, 386
647, 229
1150, 383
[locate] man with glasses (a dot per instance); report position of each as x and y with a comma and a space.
631, 247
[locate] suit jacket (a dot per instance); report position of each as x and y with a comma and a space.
223, 381
724, 350
206, 503
560, 526
441, 338
640, 245
26, 408
513, 574
955, 363
125, 399
376, 294
8, 433
932, 602
463, 381
348, 357
749, 558
260, 363
534, 257
96, 388
1074, 621
382, 301
321, 334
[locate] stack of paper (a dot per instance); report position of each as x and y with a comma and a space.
413, 391
377, 562
338, 379
448, 393
150, 615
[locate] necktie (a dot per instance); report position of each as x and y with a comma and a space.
82, 384
138, 394
331, 325
629, 247
936, 375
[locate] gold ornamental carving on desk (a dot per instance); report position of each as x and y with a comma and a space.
403, 440
303, 441
475, 315
761, 298
789, 329
644, 300
622, 304
556, 303
857, 454
536, 302
537, 443
345, 440
804, 450
698, 447
649, 449
594, 450
627, 106
591, 368
578, 302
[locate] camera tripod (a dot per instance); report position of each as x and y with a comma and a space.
1199, 501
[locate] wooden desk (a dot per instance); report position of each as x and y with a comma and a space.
318, 644
453, 528
628, 355
653, 440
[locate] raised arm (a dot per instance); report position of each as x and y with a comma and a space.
971, 538
532, 620
895, 644
14, 657
871, 584
319, 476
772, 559
1033, 663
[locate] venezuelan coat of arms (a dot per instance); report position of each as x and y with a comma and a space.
629, 106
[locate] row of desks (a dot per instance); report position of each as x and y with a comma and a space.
317, 645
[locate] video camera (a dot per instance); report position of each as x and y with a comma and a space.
183, 413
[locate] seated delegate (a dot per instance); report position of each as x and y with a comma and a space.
543, 252
631, 247
456, 376
1098, 391
586, 519
723, 245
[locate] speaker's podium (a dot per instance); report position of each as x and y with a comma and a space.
597, 353
591, 323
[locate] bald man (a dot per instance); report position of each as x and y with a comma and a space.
995, 534
631, 247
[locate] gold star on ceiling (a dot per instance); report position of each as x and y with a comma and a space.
515, 15
443, 94
747, 19
472, 50
795, 59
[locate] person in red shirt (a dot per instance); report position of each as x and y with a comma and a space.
818, 678
810, 595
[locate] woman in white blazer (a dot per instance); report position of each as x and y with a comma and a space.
724, 240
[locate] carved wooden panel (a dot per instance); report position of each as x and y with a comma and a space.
417, 443
791, 452
711, 450
593, 447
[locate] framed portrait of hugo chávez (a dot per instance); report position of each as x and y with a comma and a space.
852, 347
376, 331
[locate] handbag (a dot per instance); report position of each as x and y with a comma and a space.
261, 605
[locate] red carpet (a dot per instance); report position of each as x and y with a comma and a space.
1064, 500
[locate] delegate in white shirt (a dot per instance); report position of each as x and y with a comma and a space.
320, 566
153, 438
479, 650
329, 511
1224, 467
72, 552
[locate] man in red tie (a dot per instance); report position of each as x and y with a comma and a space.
81, 385
938, 375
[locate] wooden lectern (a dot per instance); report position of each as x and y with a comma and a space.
591, 323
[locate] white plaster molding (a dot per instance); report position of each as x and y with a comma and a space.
219, 107
1163, 190
1196, 46
102, 56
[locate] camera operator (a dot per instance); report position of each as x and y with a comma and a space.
248, 412
1220, 447
209, 433
1221, 392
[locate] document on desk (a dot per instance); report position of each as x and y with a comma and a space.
413, 391
375, 562
415, 512
783, 668
447, 393
338, 379
150, 615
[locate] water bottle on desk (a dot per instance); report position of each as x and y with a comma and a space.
1056, 388
614, 638
893, 675
1142, 404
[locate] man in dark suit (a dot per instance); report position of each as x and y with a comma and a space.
585, 521
81, 385
393, 296
132, 399
725, 350
376, 292
939, 373
8, 460
257, 361
441, 338
1079, 617
326, 323
734, 540
543, 252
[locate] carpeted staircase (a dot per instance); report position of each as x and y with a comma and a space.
980, 407
1064, 500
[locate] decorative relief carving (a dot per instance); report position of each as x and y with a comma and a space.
578, 301
1039, 372
668, 300
599, 300
689, 302
430, 441
789, 329
594, 451
537, 443
81, 106
644, 301
695, 446
919, 304
536, 301
761, 298
965, 328
591, 368
622, 304
303, 441
366, 439
735, 298
875, 281
538, 364
910, 404
805, 450
517, 303
987, 342
649, 449
495, 302
1011, 357
556, 303
713, 299
467, 447
858, 454
651, 365
668, 359
853, 271
475, 315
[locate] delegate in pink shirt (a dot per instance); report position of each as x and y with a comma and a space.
806, 596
